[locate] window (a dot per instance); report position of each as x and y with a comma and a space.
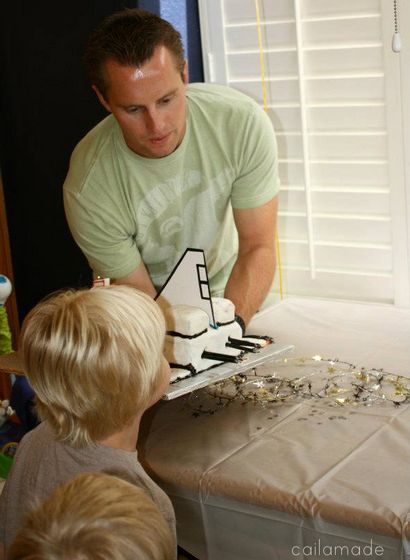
338, 97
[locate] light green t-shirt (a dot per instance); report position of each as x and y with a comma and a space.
123, 208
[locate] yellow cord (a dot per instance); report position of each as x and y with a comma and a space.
265, 106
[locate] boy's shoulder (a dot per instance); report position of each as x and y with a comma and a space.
41, 447
37, 437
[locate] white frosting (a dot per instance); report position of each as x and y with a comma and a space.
179, 373
186, 320
259, 341
197, 337
190, 321
185, 351
224, 310
219, 337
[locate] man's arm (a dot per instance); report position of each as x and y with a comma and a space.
140, 279
253, 272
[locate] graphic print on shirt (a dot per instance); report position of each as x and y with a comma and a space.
172, 210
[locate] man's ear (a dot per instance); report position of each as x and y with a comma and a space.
185, 73
101, 99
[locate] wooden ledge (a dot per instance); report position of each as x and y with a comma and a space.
11, 363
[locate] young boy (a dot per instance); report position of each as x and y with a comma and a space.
95, 516
94, 359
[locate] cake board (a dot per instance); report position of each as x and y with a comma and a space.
223, 371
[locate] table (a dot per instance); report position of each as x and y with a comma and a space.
296, 479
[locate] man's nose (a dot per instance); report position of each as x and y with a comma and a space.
153, 121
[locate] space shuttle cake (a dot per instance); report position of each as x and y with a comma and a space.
202, 332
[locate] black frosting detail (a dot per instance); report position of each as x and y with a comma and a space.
177, 334
246, 347
189, 367
243, 342
227, 323
221, 357
260, 337
243, 347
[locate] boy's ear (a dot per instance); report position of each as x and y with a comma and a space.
102, 99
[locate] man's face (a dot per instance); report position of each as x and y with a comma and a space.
148, 102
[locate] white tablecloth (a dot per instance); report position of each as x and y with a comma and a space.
297, 479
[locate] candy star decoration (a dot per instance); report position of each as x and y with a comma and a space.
331, 381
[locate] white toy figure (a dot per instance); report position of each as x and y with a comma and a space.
5, 289
5, 335
3, 411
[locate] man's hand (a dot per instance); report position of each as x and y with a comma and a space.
253, 272
140, 279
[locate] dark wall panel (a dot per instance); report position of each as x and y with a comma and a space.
196, 70
46, 106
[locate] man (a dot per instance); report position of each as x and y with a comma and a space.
174, 166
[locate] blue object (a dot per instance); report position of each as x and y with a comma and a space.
22, 401
183, 15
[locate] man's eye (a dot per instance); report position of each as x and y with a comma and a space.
166, 100
134, 110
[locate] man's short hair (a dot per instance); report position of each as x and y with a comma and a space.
95, 515
94, 359
130, 37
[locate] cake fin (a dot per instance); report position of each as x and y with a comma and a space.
188, 284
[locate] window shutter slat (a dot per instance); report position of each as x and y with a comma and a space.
330, 63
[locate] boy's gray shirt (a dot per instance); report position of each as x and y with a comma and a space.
42, 464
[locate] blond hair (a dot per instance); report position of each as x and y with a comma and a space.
95, 516
93, 358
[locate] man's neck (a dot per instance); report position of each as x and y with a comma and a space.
126, 439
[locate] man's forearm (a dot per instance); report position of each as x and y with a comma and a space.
140, 279
250, 280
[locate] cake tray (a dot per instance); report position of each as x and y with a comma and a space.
215, 374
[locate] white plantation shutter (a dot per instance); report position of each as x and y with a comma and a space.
338, 98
